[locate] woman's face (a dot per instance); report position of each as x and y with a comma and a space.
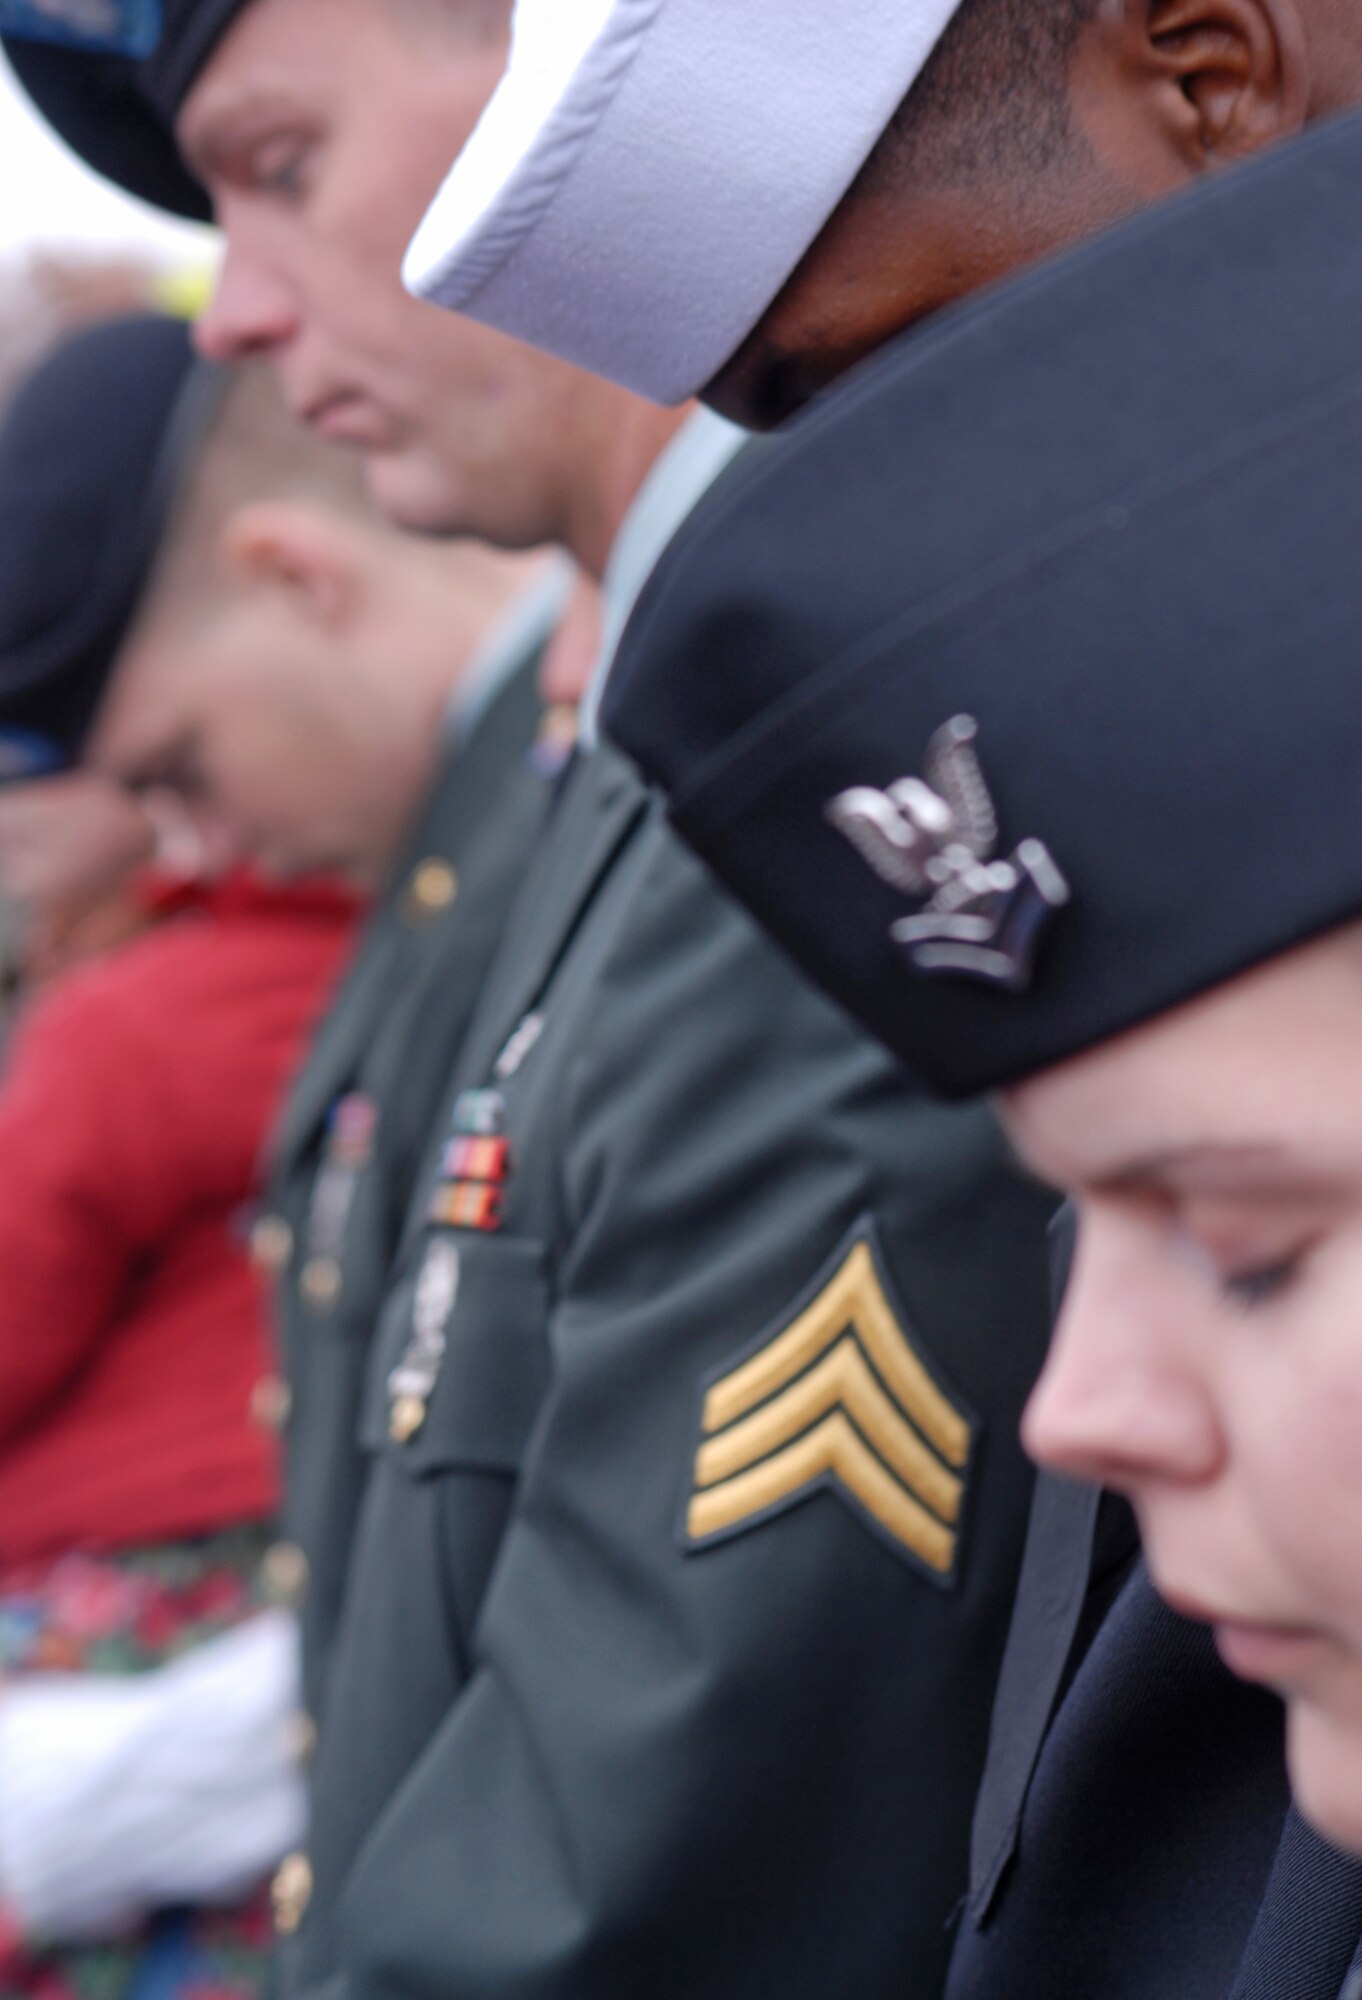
1208, 1360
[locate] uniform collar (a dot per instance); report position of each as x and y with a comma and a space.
677, 483
524, 629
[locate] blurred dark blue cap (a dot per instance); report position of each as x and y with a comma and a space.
110, 76
1018, 689
92, 450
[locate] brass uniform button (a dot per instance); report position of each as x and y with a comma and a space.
407, 1417
271, 1244
271, 1401
433, 887
302, 1737
285, 1574
321, 1284
290, 1893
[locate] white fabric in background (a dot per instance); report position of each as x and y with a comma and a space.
123, 1795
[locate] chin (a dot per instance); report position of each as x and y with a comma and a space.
412, 491
1324, 1751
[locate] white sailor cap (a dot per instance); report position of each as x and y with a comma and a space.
649, 173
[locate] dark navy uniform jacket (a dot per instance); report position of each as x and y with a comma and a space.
694, 1503
1143, 1845
359, 1119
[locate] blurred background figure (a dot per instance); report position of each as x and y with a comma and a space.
45, 296
299, 683
321, 689
72, 848
212, 651
147, 1682
47, 292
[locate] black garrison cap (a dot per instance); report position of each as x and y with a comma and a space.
91, 452
110, 76
1018, 690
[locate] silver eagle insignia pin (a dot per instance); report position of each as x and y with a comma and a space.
937, 837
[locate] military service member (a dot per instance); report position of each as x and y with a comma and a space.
358, 1120
1027, 128
693, 1400
837, 761
156, 1040
258, 686
997, 893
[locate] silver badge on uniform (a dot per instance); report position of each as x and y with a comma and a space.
936, 837
100, 27
412, 1383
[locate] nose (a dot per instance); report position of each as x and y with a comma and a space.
251, 314
1121, 1400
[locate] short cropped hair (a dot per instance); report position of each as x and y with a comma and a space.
251, 450
993, 94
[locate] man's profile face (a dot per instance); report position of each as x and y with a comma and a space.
322, 129
277, 737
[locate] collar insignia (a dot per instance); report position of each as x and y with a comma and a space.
937, 838
129, 28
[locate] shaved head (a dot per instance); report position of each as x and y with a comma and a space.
251, 450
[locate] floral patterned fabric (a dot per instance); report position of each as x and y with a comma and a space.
128, 1614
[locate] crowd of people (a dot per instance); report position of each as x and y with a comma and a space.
679, 1201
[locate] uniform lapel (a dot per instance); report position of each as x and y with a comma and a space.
345, 1034
1051, 1589
1305, 1941
1056, 1567
603, 800
463, 801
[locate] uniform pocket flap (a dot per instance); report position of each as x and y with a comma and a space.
462, 1360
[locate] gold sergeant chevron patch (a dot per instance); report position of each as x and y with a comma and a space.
841, 1397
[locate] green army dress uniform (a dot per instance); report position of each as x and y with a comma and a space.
695, 1502
359, 1119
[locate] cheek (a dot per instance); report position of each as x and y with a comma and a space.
252, 768
1307, 1460
1296, 1429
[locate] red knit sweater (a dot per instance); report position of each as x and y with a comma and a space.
135, 1099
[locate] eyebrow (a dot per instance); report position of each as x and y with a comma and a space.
211, 127
1250, 1169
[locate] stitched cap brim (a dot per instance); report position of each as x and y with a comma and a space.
650, 172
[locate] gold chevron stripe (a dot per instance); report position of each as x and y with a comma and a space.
841, 1378
834, 1447
854, 1299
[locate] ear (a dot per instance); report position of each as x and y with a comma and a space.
1240, 68
303, 551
